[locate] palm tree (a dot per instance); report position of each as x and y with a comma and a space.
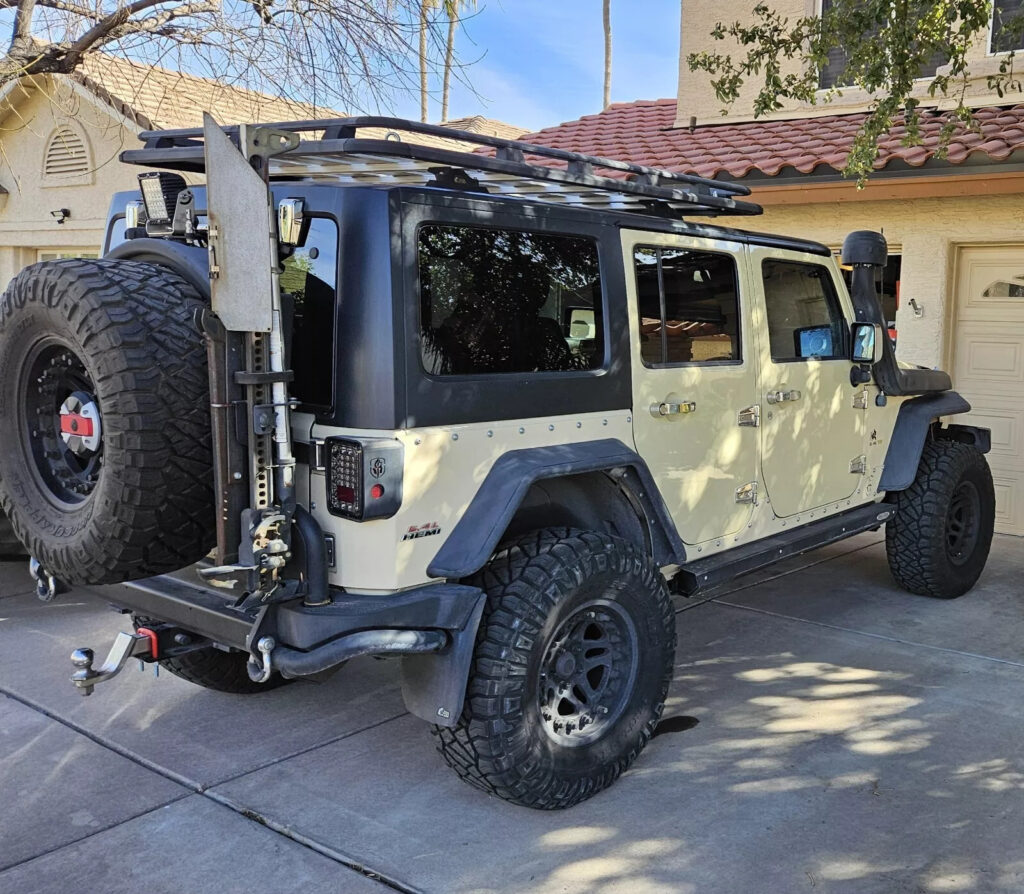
607, 15
425, 7
453, 9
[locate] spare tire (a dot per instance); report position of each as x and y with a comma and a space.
10, 545
105, 458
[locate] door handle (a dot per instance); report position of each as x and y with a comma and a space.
778, 397
673, 408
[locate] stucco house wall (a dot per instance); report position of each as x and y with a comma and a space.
26, 224
696, 97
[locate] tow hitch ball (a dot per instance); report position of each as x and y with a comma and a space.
127, 645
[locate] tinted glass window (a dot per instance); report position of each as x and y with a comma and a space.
505, 301
689, 306
310, 277
1007, 27
804, 318
832, 74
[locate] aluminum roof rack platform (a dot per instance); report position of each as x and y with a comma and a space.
331, 149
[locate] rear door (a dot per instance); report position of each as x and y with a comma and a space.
694, 369
813, 420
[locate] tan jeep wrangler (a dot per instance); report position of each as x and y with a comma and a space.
487, 411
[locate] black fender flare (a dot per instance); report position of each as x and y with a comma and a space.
190, 262
912, 424
477, 533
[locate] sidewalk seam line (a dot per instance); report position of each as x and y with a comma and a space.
197, 788
94, 832
867, 633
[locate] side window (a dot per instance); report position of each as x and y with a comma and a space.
506, 301
804, 317
688, 303
310, 278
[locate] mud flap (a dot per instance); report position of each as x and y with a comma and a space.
434, 685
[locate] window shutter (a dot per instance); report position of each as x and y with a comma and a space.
66, 154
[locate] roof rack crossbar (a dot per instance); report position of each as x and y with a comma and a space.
336, 144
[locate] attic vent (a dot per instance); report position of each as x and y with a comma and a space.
66, 154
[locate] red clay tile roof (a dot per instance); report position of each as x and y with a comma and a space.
641, 132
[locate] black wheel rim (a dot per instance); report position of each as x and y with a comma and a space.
963, 523
587, 673
63, 431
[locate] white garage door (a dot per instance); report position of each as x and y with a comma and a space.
988, 365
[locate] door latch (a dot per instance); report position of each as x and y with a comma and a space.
673, 408
749, 416
747, 493
778, 397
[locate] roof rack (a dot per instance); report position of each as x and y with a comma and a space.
330, 148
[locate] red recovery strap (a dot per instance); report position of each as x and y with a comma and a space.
153, 646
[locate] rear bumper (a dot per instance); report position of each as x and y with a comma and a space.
211, 613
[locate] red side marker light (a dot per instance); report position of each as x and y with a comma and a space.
377, 491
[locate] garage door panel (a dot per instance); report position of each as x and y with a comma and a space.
1009, 505
989, 356
988, 365
991, 284
1007, 433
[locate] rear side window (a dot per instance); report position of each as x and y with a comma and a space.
508, 301
688, 303
310, 277
804, 318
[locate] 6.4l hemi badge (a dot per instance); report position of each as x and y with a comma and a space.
427, 530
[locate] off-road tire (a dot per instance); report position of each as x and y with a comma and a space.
125, 332
535, 586
938, 541
10, 545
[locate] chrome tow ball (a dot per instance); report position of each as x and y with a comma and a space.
127, 645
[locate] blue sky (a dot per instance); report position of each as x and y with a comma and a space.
541, 62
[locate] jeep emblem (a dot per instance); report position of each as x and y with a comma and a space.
378, 467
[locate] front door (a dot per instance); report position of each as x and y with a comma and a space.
694, 372
812, 429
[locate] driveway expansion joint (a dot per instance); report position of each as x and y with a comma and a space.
205, 790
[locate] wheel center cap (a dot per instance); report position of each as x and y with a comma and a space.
80, 423
565, 665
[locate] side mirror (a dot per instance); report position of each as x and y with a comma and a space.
867, 342
292, 223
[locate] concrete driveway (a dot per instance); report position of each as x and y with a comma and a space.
826, 732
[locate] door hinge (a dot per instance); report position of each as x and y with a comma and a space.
319, 463
750, 416
858, 465
860, 400
747, 493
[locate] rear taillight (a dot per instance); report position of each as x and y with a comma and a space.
364, 478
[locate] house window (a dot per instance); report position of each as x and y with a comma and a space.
56, 254
66, 157
835, 75
1007, 28
688, 303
